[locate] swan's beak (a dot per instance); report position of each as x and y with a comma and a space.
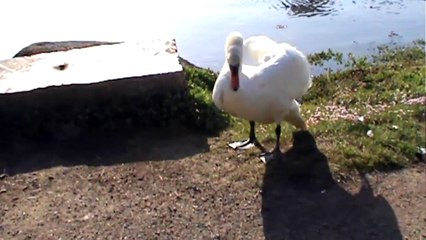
235, 81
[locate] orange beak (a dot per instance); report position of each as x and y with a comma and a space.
235, 81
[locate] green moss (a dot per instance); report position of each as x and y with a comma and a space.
199, 106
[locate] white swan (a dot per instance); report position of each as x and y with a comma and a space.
260, 82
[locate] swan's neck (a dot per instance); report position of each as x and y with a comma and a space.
234, 55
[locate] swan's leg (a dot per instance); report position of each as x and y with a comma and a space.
276, 153
249, 143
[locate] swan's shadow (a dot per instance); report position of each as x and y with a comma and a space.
301, 200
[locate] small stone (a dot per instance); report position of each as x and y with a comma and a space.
216, 237
370, 133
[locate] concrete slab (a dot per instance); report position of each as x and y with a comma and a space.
92, 65
58, 95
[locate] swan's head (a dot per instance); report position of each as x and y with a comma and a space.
234, 55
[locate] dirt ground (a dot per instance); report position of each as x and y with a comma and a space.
148, 185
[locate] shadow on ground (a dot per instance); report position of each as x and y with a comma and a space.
20, 155
302, 201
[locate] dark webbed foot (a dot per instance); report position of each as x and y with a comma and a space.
266, 157
249, 143
276, 153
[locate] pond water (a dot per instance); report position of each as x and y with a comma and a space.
200, 27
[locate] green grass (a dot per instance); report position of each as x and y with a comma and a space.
369, 94
207, 117
376, 90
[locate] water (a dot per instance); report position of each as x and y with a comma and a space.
200, 27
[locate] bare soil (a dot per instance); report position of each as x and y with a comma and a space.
151, 185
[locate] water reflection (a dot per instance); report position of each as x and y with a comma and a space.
372, 4
307, 8
311, 8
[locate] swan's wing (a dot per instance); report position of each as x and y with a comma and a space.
258, 50
288, 72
